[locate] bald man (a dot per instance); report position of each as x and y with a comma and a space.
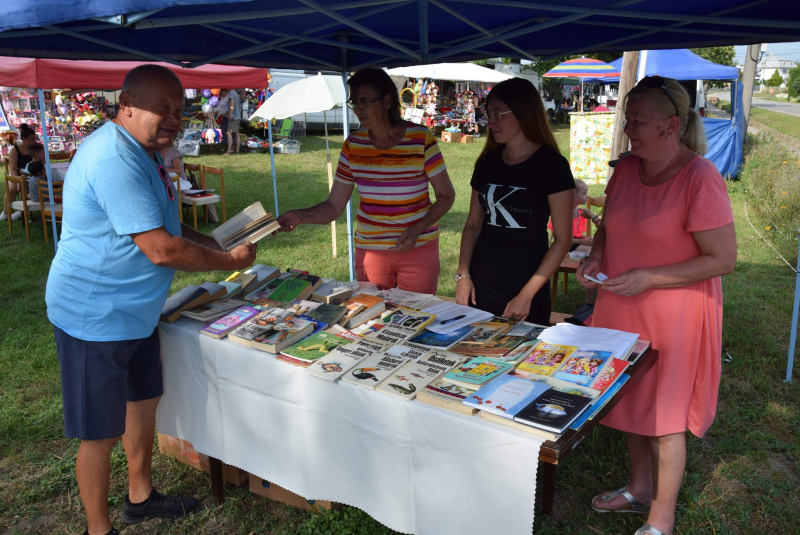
121, 243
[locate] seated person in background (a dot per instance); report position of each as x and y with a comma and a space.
37, 154
36, 170
173, 161
579, 216
596, 106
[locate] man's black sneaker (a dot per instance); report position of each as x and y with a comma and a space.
112, 532
157, 506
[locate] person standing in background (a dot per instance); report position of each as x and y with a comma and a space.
222, 110
234, 119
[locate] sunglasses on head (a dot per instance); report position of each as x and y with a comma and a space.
162, 172
660, 83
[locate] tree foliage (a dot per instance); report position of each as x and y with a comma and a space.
775, 80
794, 82
721, 55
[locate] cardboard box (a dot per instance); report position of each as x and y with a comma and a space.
451, 137
183, 451
467, 139
262, 487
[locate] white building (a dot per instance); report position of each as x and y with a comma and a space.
770, 63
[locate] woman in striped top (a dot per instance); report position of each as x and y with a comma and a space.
392, 162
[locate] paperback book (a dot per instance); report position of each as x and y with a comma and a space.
583, 367
600, 402
263, 274
315, 346
188, 297
505, 396
242, 280
610, 374
344, 358
220, 327
331, 291
264, 292
431, 340
553, 411
546, 358
258, 325
477, 372
413, 377
565, 386
396, 325
213, 310
408, 299
292, 288
373, 305
250, 225
447, 395
485, 332
377, 367
283, 333
328, 313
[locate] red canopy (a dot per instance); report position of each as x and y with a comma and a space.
86, 74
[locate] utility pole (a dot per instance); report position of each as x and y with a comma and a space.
748, 80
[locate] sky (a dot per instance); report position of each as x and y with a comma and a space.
786, 50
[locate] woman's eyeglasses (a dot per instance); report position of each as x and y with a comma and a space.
363, 103
495, 115
162, 172
659, 82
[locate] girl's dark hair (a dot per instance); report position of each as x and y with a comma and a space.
382, 84
524, 101
25, 131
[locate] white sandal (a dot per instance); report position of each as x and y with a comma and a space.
647, 528
635, 505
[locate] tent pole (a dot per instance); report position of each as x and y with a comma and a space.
795, 311
330, 178
346, 126
46, 143
272, 160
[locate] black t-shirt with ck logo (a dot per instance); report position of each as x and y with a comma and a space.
513, 237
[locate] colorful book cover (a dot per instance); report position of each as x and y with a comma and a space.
522, 350
434, 340
219, 328
583, 367
265, 291
344, 358
290, 289
506, 395
485, 332
315, 346
319, 326
447, 392
328, 313
258, 325
282, 333
609, 375
502, 347
546, 358
413, 377
477, 372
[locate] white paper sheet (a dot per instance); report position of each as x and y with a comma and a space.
451, 317
599, 339
411, 466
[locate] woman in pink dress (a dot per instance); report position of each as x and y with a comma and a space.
666, 237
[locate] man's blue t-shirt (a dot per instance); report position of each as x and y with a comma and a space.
101, 286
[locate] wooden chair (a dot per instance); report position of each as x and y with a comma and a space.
44, 200
194, 202
214, 171
597, 202
24, 204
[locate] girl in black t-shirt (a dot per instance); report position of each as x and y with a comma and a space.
519, 182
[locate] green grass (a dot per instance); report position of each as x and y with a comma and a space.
787, 124
742, 478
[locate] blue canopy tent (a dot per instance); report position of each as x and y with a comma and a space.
346, 35
724, 137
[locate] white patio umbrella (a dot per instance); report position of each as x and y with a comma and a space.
309, 95
456, 72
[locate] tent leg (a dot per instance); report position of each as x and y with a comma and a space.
330, 178
349, 209
274, 180
46, 143
795, 311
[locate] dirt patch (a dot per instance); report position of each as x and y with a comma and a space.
780, 464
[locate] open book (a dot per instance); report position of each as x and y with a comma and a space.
252, 224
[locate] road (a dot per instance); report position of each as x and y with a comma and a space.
789, 108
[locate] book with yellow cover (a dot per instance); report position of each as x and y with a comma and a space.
546, 358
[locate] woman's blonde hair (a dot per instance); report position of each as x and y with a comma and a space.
524, 101
692, 133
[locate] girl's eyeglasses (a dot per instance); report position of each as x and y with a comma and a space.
162, 172
495, 115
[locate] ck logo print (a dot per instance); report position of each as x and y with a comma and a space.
493, 207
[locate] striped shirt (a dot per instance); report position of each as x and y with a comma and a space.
392, 184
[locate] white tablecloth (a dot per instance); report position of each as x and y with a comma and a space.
59, 171
413, 467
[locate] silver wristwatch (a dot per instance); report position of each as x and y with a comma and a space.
460, 276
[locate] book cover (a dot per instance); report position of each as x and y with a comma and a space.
331, 291
413, 377
242, 279
447, 395
506, 395
214, 289
265, 291
263, 274
485, 332
328, 313
251, 224
396, 325
290, 289
343, 358
187, 297
546, 358
318, 325
283, 333
375, 368
261, 323
301, 307
367, 300
234, 289
564, 386
521, 351
220, 327
315, 346
373, 305
553, 411
477, 372
583, 367
609, 375
434, 340
406, 298
313, 280
212, 310
352, 309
